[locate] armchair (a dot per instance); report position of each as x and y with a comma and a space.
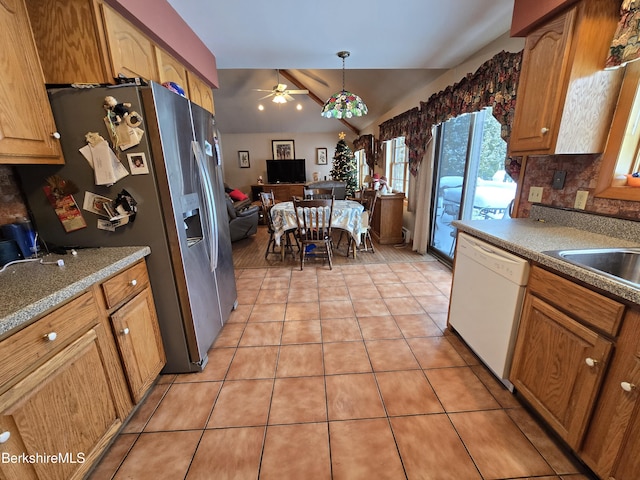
243, 223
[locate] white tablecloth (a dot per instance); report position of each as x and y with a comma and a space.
347, 215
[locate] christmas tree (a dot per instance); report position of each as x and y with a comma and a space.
344, 167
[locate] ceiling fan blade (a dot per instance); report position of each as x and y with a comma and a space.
297, 92
266, 96
261, 90
288, 97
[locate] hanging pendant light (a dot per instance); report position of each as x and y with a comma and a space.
344, 104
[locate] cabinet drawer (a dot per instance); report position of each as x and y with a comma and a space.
126, 284
30, 345
588, 306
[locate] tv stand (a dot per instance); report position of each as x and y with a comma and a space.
283, 192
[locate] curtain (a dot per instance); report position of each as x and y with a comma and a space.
366, 143
625, 46
493, 84
421, 195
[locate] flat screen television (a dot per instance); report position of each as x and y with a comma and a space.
286, 171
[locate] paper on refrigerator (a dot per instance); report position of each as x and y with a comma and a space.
106, 166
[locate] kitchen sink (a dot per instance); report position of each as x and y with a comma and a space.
621, 264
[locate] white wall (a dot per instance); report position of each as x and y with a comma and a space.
259, 147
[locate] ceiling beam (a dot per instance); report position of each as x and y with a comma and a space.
286, 74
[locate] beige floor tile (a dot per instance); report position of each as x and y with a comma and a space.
434, 303
228, 454
253, 362
330, 293
215, 369
435, 352
440, 319
402, 267
403, 306
240, 314
361, 292
296, 452
255, 273
353, 396
370, 308
300, 360
497, 446
142, 415
248, 283
364, 450
307, 294
165, 455
419, 325
430, 448
382, 278
505, 398
340, 330
306, 331
271, 296
242, 403
230, 335
166, 378
169, 415
421, 289
460, 390
261, 333
561, 462
357, 279
393, 290
298, 400
278, 273
345, 357
465, 352
114, 457
411, 277
391, 355
407, 393
302, 311
276, 283
375, 328
336, 309
247, 296
270, 312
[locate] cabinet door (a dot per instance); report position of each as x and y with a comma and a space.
63, 408
542, 84
26, 121
628, 466
137, 334
616, 407
171, 70
200, 93
132, 54
550, 368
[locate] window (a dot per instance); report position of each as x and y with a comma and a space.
397, 165
361, 165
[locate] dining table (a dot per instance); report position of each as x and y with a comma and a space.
346, 215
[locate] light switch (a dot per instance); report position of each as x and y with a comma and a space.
535, 194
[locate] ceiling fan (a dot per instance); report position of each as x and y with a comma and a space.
280, 93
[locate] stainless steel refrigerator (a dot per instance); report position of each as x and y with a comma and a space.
181, 211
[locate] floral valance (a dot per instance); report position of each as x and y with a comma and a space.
366, 143
625, 46
493, 84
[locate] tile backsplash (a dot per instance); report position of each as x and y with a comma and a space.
582, 174
13, 207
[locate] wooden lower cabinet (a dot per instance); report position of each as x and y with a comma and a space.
64, 409
282, 192
387, 218
612, 445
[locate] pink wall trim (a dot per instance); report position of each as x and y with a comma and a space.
162, 23
527, 14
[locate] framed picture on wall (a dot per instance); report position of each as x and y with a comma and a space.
283, 149
243, 159
321, 156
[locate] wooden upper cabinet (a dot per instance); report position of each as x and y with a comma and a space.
200, 93
27, 127
565, 99
171, 70
132, 53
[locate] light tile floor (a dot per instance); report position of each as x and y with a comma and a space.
344, 374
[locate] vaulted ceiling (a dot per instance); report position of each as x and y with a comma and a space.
396, 48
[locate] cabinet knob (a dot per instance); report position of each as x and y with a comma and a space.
133, 282
591, 362
544, 130
56, 135
627, 387
4, 436
125, 331
51, 336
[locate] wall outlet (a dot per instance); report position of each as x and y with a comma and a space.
581, 199
558, 179
535, 194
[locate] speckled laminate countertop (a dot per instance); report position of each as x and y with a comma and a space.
529, 237
31, 289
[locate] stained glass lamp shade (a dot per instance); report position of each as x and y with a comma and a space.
344, 104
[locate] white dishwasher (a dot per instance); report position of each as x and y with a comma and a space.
486, 301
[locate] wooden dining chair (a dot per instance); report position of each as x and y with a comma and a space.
286, 244
318, 193
314, 229
369, 200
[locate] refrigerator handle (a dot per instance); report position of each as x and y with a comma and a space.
210, 218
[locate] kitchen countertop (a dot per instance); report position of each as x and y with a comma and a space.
30, 289
529, 237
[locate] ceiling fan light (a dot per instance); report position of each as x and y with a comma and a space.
279, 99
